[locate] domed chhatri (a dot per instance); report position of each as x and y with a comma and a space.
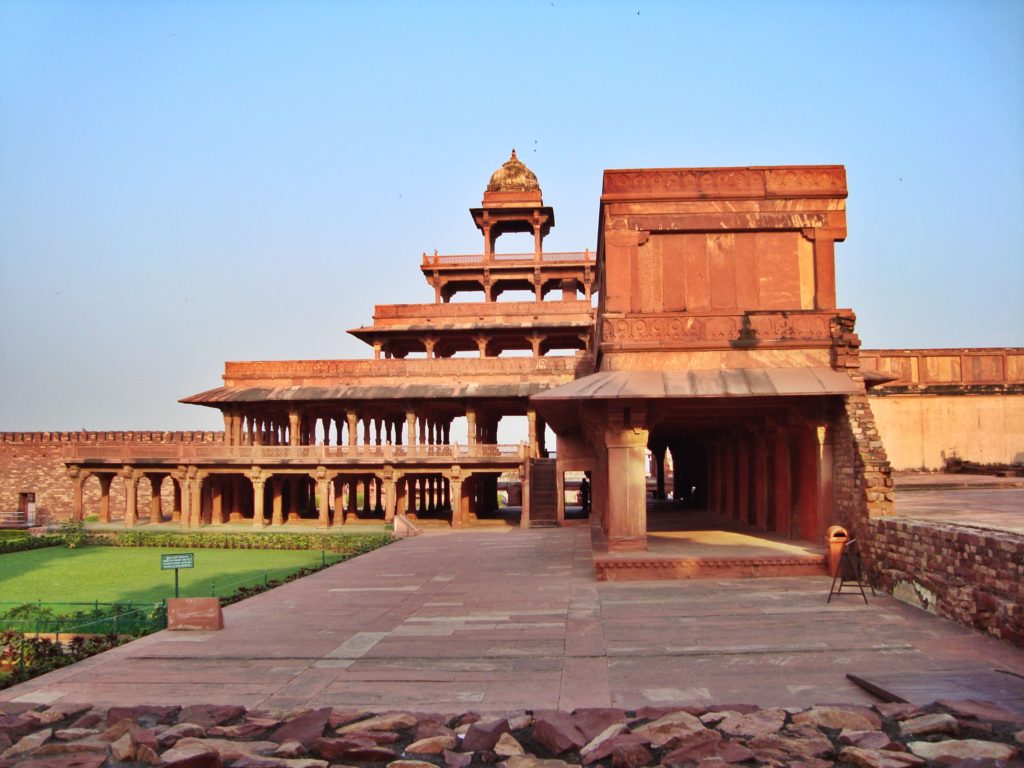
513, 176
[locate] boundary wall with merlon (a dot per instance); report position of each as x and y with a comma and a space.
972, 575
33, 462
947, 404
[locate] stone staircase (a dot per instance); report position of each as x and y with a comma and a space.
543, 493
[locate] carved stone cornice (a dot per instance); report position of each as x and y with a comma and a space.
720, 331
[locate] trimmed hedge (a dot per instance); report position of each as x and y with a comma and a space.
350, 544
26, 543
8, 533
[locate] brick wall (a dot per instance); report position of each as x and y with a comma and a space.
971, 575
33, 462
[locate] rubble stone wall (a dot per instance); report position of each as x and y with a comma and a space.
972, 575
33, 462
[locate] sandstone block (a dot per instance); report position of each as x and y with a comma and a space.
838, 718
627, 755
432, 745
246, 730
170, 736
594, 720
557, 732
194, 614
868, 739
66, 761
227, 750
962, 749
206, 759
304, 728
457, 759
594, 746
928, 724
753, 724
143, 715
290, 749
350, 748
28, 743
877, 758
397, 721
529, 761
209, 715
670, 728
484, 735
507, 746
123, 749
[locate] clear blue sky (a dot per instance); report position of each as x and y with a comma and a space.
190, 182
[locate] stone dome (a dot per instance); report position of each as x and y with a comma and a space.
513, 176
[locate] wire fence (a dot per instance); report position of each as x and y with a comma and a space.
77, 618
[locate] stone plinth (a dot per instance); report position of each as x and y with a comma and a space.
194, 613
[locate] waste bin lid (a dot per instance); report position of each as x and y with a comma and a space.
836, 532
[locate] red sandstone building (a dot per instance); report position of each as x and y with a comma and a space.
716, 341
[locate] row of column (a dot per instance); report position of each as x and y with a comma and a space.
348, 428
777, 480
494, 287
205, 498
487, 346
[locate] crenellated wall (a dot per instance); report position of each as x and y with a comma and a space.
947, 404
33, 462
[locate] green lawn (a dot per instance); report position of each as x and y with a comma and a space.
119, 574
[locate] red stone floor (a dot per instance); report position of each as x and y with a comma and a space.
514, 619
1000, 508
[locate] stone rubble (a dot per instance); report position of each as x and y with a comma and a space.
959, 734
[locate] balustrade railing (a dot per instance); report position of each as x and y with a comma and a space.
188, 453
470, 259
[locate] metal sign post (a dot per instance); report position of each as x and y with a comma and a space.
176, 561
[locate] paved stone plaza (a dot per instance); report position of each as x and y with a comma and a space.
507, 620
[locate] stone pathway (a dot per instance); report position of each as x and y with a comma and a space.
514, 620
999, 508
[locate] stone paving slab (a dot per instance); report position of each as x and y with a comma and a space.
511, 620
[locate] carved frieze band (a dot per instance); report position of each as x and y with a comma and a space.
725, 329
729, 182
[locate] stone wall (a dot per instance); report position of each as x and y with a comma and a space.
923, 431
971, 575
33, 462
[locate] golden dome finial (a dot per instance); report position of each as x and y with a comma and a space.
513, 176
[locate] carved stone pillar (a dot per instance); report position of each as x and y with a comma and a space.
352, 434
258, 482
807, 481
177, 481
760, 459
410, 428
531, 420
156, 512
782, 489
388, 488
216, 501
323, 502
625, 440
131, 484
743, 480
105, 481
196, 500
339, 501
276, 500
